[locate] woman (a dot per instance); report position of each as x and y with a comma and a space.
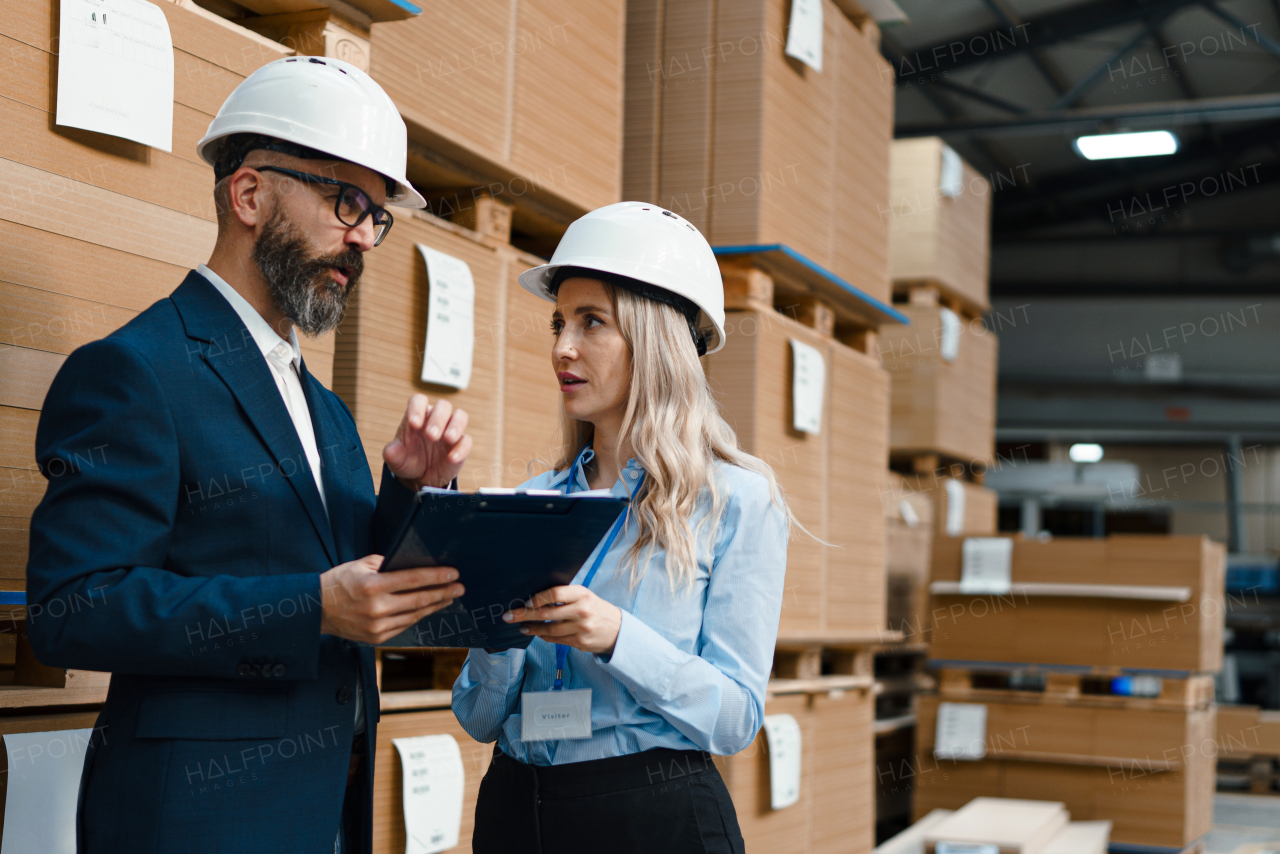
671, 624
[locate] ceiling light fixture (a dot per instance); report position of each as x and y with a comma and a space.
1111, 146
1085, 452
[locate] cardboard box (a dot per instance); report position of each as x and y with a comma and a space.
754, 147
1183, 634
935, 237
940, 406
1078, 837
832, 479
836, 807
1147, 769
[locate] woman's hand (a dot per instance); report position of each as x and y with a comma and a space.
582, 619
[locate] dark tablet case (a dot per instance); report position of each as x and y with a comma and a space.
505, 547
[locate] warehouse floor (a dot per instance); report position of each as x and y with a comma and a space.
1244, 824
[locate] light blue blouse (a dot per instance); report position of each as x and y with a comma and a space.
689, 669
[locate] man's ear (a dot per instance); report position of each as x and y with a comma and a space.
247, 197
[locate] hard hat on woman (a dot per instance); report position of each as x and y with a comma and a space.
651, 247
313, 106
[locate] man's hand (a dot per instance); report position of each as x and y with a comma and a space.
362, 604
583, 620
430, 445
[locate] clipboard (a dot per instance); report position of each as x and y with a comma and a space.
506, 547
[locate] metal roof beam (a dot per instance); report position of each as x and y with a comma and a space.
1035, 34
1237, 108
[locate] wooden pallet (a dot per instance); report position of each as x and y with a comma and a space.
919, 463
1090, 686
931, 292
807, 656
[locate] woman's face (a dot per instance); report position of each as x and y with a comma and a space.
590, 357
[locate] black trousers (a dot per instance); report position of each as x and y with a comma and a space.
656, 802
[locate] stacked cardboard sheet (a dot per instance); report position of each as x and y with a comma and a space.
528, 92
833, 479
754, 147
835, 784
943, 377
128, 223
1129, 600
941, 220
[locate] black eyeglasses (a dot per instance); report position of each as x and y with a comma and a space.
352, 205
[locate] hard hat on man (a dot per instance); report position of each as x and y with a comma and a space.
312, 106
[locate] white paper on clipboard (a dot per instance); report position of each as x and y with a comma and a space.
43, 789
433, 780
451, 338
115, 70
804, 34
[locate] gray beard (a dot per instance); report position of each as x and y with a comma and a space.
301, 284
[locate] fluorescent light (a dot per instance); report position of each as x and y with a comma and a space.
1113, 145
1085, 453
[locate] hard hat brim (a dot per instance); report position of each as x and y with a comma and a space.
537, 281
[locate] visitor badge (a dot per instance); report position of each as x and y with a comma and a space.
547, 715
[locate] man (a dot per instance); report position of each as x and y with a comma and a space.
220, 557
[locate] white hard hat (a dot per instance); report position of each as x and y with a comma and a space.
644, 242
324, 104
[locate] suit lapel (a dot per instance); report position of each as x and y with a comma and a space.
232, 354
335, 462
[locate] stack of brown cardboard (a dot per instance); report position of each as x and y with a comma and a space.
1088, 680
1248, 749
753, 146
1128, 601
528, 95
908, 549
833, 478
128, 223
940, 230
835, 784
943, 373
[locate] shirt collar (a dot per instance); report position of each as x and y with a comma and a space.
263, 335
574, 478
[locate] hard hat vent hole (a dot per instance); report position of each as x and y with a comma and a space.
291, 60
668, 213
318, 61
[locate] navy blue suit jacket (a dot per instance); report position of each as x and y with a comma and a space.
179, 546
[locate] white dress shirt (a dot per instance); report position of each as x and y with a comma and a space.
285, 359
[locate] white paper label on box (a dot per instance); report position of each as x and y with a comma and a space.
951, 178
115, 70
783, 735
949, 346
450, 320
944, 847
908, 513
808, 385
43, 789
804, 34
954, 523
1163, 367
961, 732
987, 565
433, 780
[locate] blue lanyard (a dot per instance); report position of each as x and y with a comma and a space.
562, 651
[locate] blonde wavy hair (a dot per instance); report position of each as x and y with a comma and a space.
676, 431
